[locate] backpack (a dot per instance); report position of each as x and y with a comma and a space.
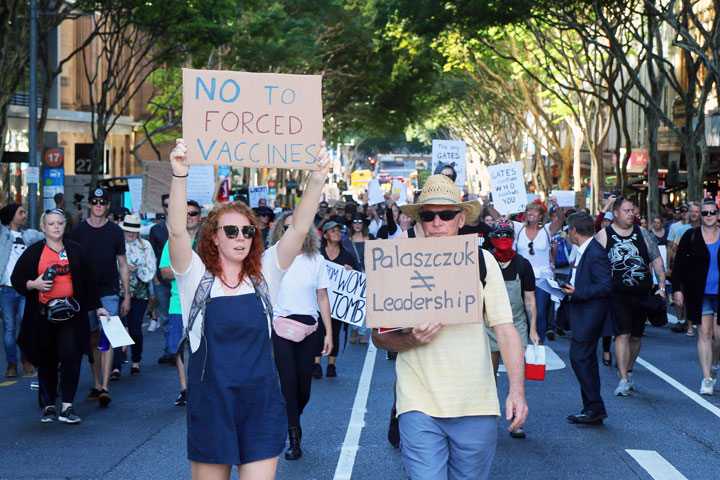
562, 252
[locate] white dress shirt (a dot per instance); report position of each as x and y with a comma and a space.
579, 255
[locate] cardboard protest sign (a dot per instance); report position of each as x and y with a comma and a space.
565, 198
399, 188
375, 193
252, 119
508, 187
413, 281
157, 177
450, 153
135, 187
347, 294
201, 184
258, 193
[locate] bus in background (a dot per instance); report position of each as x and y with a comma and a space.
360, 178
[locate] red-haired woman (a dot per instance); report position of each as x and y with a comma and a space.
236, 412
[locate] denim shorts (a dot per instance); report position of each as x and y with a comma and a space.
111, 303
710, 305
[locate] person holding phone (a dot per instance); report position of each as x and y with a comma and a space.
56, 278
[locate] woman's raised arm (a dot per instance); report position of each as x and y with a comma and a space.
179, 243
292, 240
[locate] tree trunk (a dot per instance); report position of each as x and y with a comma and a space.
694, 181
653, 199
597, 176
98, 157
577, 149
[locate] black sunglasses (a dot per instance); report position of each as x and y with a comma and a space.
501, 235
445, 215
360, 221
232, 231
285, 227
706, 213
165, 205
101, 201
532, 250
194, 213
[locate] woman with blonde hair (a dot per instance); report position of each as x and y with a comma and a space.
303, 293
236, 412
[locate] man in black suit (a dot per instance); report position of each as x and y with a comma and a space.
586, 304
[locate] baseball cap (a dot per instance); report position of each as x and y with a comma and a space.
99, 192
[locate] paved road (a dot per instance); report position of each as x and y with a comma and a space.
658, 430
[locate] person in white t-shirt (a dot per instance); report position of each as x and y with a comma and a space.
236, 411
303, 297
13, 242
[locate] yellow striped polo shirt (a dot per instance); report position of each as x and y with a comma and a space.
452, 376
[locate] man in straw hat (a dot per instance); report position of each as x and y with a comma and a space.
446, 395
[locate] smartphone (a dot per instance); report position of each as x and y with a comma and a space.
562, 284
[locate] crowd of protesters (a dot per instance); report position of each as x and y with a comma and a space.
546, 269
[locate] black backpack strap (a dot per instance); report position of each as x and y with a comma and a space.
482, 266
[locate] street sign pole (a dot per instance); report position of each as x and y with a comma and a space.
32, 115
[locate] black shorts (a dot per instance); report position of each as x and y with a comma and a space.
627, 313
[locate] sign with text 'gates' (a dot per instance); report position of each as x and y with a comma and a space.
252, 119
508, 187
413, 281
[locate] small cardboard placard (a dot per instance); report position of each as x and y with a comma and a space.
565, 198
413, 281
347, 294
252, 119
450, 153
258, 193
508, 187
156, 179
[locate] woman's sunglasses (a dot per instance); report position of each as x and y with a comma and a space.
101, 201
194, 213
532, 250
232, 231
705, 213
360, 221
445, 215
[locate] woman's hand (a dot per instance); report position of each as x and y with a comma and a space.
327, 346
101, 312
177, 156
133, 268
320, 175
534, 337
40, 284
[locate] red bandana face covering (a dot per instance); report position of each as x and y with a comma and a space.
503, 249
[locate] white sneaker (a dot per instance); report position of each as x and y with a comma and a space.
153, 326
623, 388
707, 386
631, 383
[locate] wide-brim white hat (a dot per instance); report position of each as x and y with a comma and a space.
131, 223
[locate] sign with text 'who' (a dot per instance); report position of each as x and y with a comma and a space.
413, 281
252, 119
508, 187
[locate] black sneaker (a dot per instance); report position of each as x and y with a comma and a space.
104, 398
680, 327
181, 399
393, 435
124, 359
550, 335
317, 371
560, 332
115, 375
167, 359
49, 415
68, 416
93, 396
330, 371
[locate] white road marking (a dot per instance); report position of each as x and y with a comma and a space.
345, 464
656, 465
689, 393
552, 361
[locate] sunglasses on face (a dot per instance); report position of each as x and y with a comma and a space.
96, 201
232, 231
502, 235
532, 250
165, 205
285, 227
706, 213
445, 215
193, 213
360, 221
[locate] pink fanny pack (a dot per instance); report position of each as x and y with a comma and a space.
293, 330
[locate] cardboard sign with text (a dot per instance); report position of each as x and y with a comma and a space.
413, 281
346, 294
508, 187
156, 179
450, 153
252, 119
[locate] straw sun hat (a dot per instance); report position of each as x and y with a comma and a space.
440, 190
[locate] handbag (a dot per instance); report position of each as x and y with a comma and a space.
292, 330
535, 362
59, 310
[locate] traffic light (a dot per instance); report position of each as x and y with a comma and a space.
372, 162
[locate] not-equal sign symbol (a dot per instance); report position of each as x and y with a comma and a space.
422, 278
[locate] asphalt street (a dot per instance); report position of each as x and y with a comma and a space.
662, 430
